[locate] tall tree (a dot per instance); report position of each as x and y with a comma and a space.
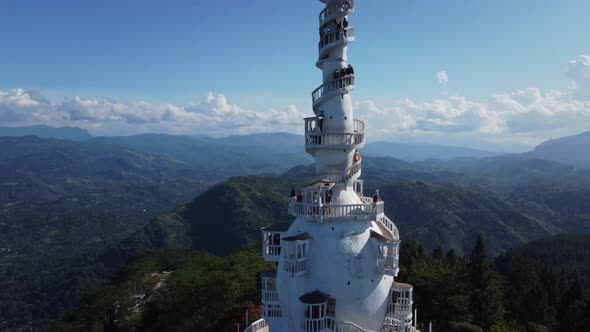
486, 303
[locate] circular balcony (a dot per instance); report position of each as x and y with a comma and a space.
341, 85
333, 39
335, 10
338, 212
314, 139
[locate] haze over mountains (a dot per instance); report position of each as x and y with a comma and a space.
571, 150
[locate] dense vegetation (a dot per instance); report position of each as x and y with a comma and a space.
175, 290
456, 293
541, 286
63, 202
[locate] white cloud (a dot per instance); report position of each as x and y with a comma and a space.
442, 77
213, 115
579, 73
503, 117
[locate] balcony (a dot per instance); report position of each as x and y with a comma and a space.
270, 308
387, 254
337, 9
333, 39
316, 139
400, 302
318, 312
269, 287
334, 212
271, 241
338, 86
295, 253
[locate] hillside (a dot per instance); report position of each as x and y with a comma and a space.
571, 150
451, 216
214, 157
174, 291
61, 203
444, 214
225, 218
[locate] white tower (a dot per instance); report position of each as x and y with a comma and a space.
337, 261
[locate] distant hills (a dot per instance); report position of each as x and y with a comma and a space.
571, 150
418, 152
214, 157
42, 131
269, 147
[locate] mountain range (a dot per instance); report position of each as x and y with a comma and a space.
72, 213
569, 150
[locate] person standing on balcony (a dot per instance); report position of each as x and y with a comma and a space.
328, 201
376, 199
326, 33
299, 197
349, 70
292, 196
356, 157
316, 202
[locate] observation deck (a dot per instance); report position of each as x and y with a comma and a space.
338, 212
315, 139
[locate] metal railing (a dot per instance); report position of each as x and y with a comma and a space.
340, 8
346, 82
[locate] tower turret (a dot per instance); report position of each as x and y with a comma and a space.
338, 259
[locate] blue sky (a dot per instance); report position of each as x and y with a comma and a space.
258, 57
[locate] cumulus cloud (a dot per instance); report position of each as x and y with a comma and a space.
213, 115
442, 77
579, 73
526, 113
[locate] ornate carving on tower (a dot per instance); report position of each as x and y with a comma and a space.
338, 259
